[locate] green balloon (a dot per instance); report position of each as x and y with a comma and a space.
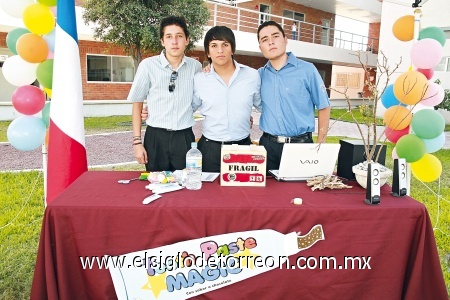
410, 147
46, 113
433, 32
428, 124
13, 36
44, 73
48, 2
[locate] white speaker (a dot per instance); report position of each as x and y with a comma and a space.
373, 184
399, 180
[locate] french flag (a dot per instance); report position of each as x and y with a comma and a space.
66, 144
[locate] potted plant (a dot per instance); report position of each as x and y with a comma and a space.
372, 139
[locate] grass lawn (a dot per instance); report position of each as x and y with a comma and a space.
22, 210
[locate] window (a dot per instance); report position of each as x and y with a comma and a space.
350, 80
294, 15
264, 10
108, 68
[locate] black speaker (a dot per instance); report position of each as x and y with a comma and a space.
352, 153
399, 183
373, 184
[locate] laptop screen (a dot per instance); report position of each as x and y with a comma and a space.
303, 161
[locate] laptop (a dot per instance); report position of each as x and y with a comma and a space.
300, 162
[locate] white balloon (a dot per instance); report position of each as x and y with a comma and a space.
15, 8
19, 72
419, 107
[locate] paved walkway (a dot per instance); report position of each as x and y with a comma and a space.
115, 148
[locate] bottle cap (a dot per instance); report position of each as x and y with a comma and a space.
193, 145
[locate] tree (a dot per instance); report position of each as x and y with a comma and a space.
134, 24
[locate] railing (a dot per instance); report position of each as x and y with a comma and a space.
246, 20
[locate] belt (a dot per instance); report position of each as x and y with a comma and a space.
166, 129
247, 139
291, 139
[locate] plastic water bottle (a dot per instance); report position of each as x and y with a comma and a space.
194, 168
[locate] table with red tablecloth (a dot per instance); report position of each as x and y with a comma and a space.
96, 216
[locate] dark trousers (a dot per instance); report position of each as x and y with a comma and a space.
166, 149
211, 152
275, 149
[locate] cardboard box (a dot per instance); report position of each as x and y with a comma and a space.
243, 165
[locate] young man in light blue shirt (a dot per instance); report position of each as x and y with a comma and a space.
225, 96
291, 90
165, 81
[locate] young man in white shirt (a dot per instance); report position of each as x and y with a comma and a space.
165, 81
225, 96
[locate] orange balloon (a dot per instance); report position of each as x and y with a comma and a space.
47, 135
32, 48
410, 87
403, 28
397, 117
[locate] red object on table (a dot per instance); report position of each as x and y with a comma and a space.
97, 216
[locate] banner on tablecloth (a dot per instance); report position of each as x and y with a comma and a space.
190, 268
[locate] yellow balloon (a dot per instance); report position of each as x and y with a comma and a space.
39, 19
403, 28
48, 92
410, 87
397, 117
427, 169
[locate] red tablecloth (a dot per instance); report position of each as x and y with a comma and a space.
97, 216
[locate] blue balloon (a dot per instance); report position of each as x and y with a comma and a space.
388, 98
26, 133
50, 39
433, 145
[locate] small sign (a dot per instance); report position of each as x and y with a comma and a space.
3, 57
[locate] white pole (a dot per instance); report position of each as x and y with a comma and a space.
417, 16
44, 171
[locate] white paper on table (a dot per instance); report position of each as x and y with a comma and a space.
209, 177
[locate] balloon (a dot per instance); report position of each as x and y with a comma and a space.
433, 32
410, 87
46, 114
394, 135
427, 72
32, 48
410, 147
39, 19
44, 73
435, 95
403, 28
48, 92
48, 2
428, 123
15, 8
50, 39
426, 53
19, 72
388, 98
13, 36
427, 169
394, 153
54, 10
433, 145
28, 99
26, 133
397, 117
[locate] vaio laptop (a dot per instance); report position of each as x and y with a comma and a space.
302, 161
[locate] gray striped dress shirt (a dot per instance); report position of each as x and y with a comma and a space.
169, 110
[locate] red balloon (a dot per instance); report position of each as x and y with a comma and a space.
28, 100
427, 72
394, 135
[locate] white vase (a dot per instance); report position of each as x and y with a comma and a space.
361, 175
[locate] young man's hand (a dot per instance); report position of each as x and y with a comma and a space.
144, 113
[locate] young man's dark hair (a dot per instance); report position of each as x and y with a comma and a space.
173, 20
270, 23
219, 33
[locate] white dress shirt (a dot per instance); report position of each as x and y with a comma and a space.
169, 110
227, 109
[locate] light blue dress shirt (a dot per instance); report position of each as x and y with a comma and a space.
289, 97
169, 110
227, 109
